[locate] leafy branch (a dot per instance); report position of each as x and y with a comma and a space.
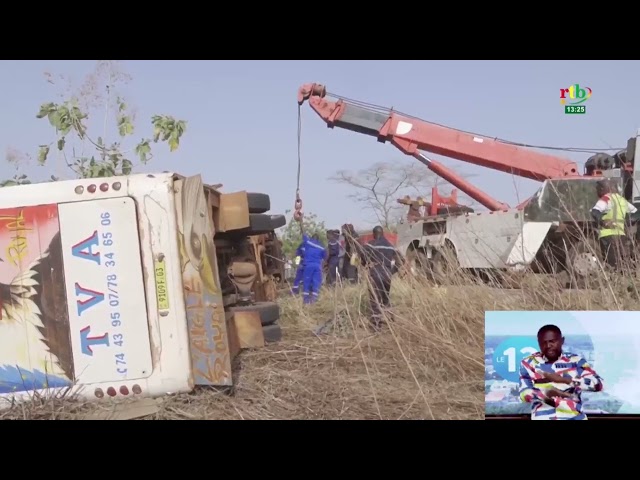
70, 120
67, 118
18, 179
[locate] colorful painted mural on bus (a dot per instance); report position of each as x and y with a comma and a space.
210, 355
35, 349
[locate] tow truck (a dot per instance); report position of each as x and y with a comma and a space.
550, 232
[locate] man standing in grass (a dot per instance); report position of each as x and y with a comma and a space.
611, 214
314, 256
299, 260
333, 259
383, 261
552, 381
349, 268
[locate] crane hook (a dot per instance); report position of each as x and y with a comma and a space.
297, 209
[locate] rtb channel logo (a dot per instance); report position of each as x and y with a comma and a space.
573, 99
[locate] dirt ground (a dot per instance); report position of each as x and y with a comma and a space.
429, 364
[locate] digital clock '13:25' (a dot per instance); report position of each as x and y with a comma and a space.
575, 109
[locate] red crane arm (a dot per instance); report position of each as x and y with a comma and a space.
457, 181
410, 134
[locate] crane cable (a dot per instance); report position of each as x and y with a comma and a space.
297, 209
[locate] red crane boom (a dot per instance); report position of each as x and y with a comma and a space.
410, 135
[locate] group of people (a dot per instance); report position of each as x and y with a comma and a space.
311, 256
382, 260
378, 256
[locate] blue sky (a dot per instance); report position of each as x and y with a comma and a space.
242, 116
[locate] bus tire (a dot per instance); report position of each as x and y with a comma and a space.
272, 333
258, 202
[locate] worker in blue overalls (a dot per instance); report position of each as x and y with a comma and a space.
333, 259
314, 256
299, 270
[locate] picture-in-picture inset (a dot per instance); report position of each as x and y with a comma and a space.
549, 365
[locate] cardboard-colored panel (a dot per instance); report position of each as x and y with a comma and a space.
234, 212
249, 329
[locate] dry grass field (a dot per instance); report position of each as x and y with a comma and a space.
427, 365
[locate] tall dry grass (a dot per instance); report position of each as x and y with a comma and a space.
427, 364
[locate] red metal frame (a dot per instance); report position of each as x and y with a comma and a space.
410, 135
438, 200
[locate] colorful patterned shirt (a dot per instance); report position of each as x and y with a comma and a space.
533, 386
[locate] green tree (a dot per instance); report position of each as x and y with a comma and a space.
89, 155
291, 236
